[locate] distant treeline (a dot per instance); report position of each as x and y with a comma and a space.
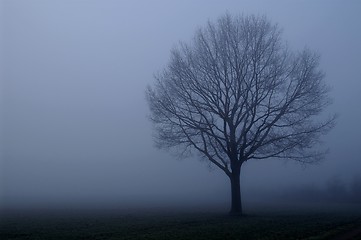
335, 190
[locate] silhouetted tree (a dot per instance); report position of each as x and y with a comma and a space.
236, 93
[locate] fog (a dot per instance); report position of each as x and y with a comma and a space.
74, 126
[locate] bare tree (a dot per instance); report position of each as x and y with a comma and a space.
236, 93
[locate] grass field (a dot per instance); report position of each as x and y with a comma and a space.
276, 226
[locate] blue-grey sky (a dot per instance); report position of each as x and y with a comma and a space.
74, 116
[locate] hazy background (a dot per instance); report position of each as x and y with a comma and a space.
74, 117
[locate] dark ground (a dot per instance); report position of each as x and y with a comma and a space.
335, 225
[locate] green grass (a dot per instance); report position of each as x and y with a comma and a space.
182, 226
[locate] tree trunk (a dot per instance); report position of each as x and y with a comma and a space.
236, 205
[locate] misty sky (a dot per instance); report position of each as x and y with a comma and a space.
74, 115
